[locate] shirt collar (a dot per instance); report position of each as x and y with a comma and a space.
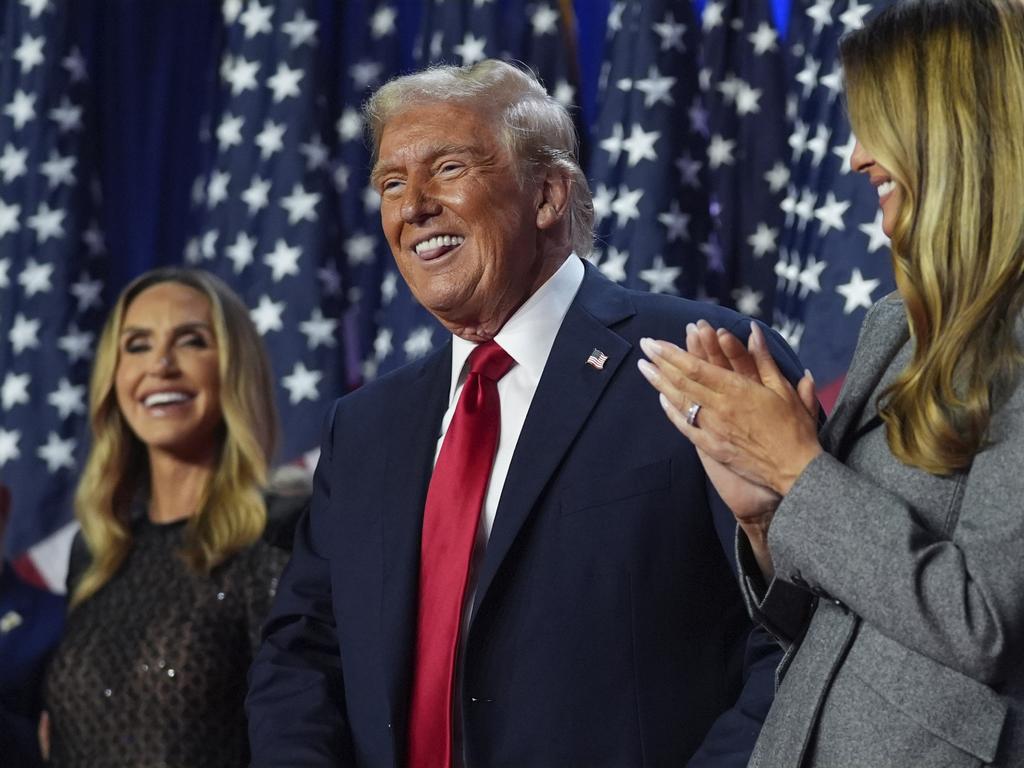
529, 333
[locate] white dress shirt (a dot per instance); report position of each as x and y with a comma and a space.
528, 337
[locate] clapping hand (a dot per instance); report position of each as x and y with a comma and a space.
753, 431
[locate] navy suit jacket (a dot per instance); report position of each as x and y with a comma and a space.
607, 626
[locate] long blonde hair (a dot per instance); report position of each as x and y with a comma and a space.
935, 91
232, 513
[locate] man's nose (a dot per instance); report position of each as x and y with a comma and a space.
418, 203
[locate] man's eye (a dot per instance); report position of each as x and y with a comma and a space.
390, 185
135, 347
451, 167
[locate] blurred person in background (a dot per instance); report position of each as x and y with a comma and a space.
31, 620
169, 591
885, 552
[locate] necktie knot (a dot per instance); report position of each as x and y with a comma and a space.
490, 361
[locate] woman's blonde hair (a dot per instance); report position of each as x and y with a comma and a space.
232, 514
935, 90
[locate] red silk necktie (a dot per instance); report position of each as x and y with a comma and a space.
450, 518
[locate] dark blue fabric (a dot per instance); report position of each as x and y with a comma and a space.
31, 621
153, 62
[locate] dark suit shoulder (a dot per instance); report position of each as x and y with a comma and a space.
394, 384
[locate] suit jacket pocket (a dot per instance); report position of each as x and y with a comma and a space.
600, 491
946, 703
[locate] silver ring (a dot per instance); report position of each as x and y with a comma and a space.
691, 414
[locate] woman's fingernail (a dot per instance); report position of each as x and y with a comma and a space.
650, 347
756, 335
648, 369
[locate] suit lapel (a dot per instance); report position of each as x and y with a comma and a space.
567, 393
413, 427
878, 345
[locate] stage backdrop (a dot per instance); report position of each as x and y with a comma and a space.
227, 135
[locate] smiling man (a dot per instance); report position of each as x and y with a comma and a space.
511, 557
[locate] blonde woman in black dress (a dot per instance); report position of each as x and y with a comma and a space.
167, 603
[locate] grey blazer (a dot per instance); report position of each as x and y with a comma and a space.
898, 595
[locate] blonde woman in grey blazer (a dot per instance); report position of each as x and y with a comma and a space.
886, 554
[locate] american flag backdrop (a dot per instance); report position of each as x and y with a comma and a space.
648, 166
266, 211
833, 260
717, 155
743, 83
53, 264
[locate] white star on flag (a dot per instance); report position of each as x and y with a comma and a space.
24, 334
301, 29
270, 139
640, 144
257, 195
283, 260
77, 343
267, 315
285, 82
68, 398
36, 277
13, 162
21, 108
857, 292
300, 205
319, 329
471, 50
241, 75
302, 383
256, 19
626, 205
29, 53
9, 445
9, 219
241, 252
660, 277
382, 23
14, 390
57, 453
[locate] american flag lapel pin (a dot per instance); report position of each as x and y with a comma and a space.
597, 359
11, 620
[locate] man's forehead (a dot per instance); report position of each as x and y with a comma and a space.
408, 137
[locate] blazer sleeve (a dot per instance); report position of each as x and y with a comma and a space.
295, 704
733, 735
954, 598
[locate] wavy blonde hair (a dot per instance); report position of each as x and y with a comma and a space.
232, 513
935, 90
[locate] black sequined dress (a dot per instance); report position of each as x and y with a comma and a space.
152, 668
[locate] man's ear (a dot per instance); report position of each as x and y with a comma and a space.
554, 200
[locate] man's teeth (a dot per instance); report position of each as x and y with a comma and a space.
886, 188
438, 242
163, 398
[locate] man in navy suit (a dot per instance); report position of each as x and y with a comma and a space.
600, 621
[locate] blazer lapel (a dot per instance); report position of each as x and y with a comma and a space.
413, 427
567, 393
878, 345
